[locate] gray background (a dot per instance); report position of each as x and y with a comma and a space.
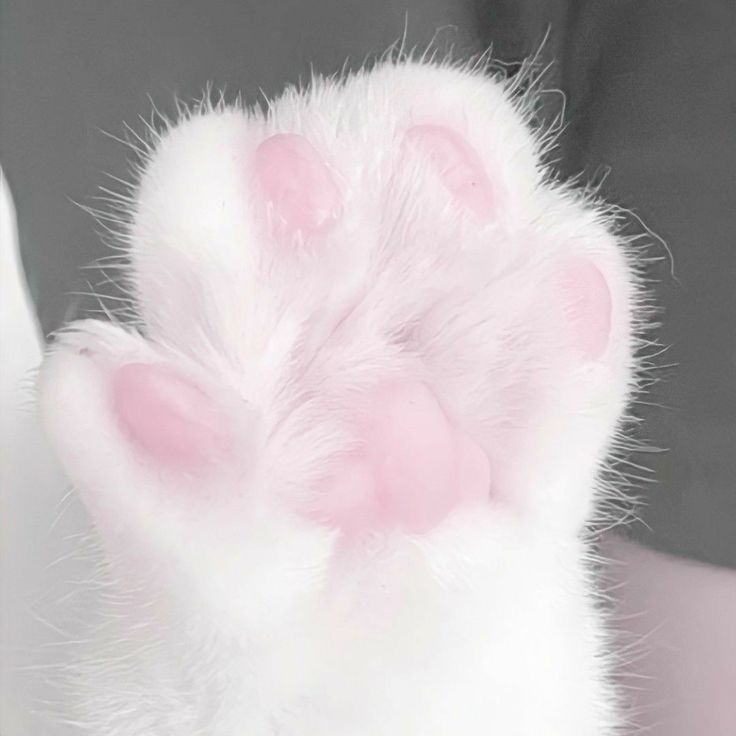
651, 94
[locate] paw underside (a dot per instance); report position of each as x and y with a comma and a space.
395, 342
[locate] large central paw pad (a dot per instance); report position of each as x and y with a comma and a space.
412, 468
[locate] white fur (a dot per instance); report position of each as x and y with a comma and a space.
231, 615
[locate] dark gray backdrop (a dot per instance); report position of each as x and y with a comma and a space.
651, 93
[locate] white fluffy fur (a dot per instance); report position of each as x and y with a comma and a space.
230, 615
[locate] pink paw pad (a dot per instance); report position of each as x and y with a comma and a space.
458, 165
300, 192
166, 417
413, 468
587, 301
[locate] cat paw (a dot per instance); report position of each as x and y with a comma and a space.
382, 274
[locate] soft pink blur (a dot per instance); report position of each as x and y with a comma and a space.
682, 617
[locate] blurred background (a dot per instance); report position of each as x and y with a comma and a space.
648, 93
